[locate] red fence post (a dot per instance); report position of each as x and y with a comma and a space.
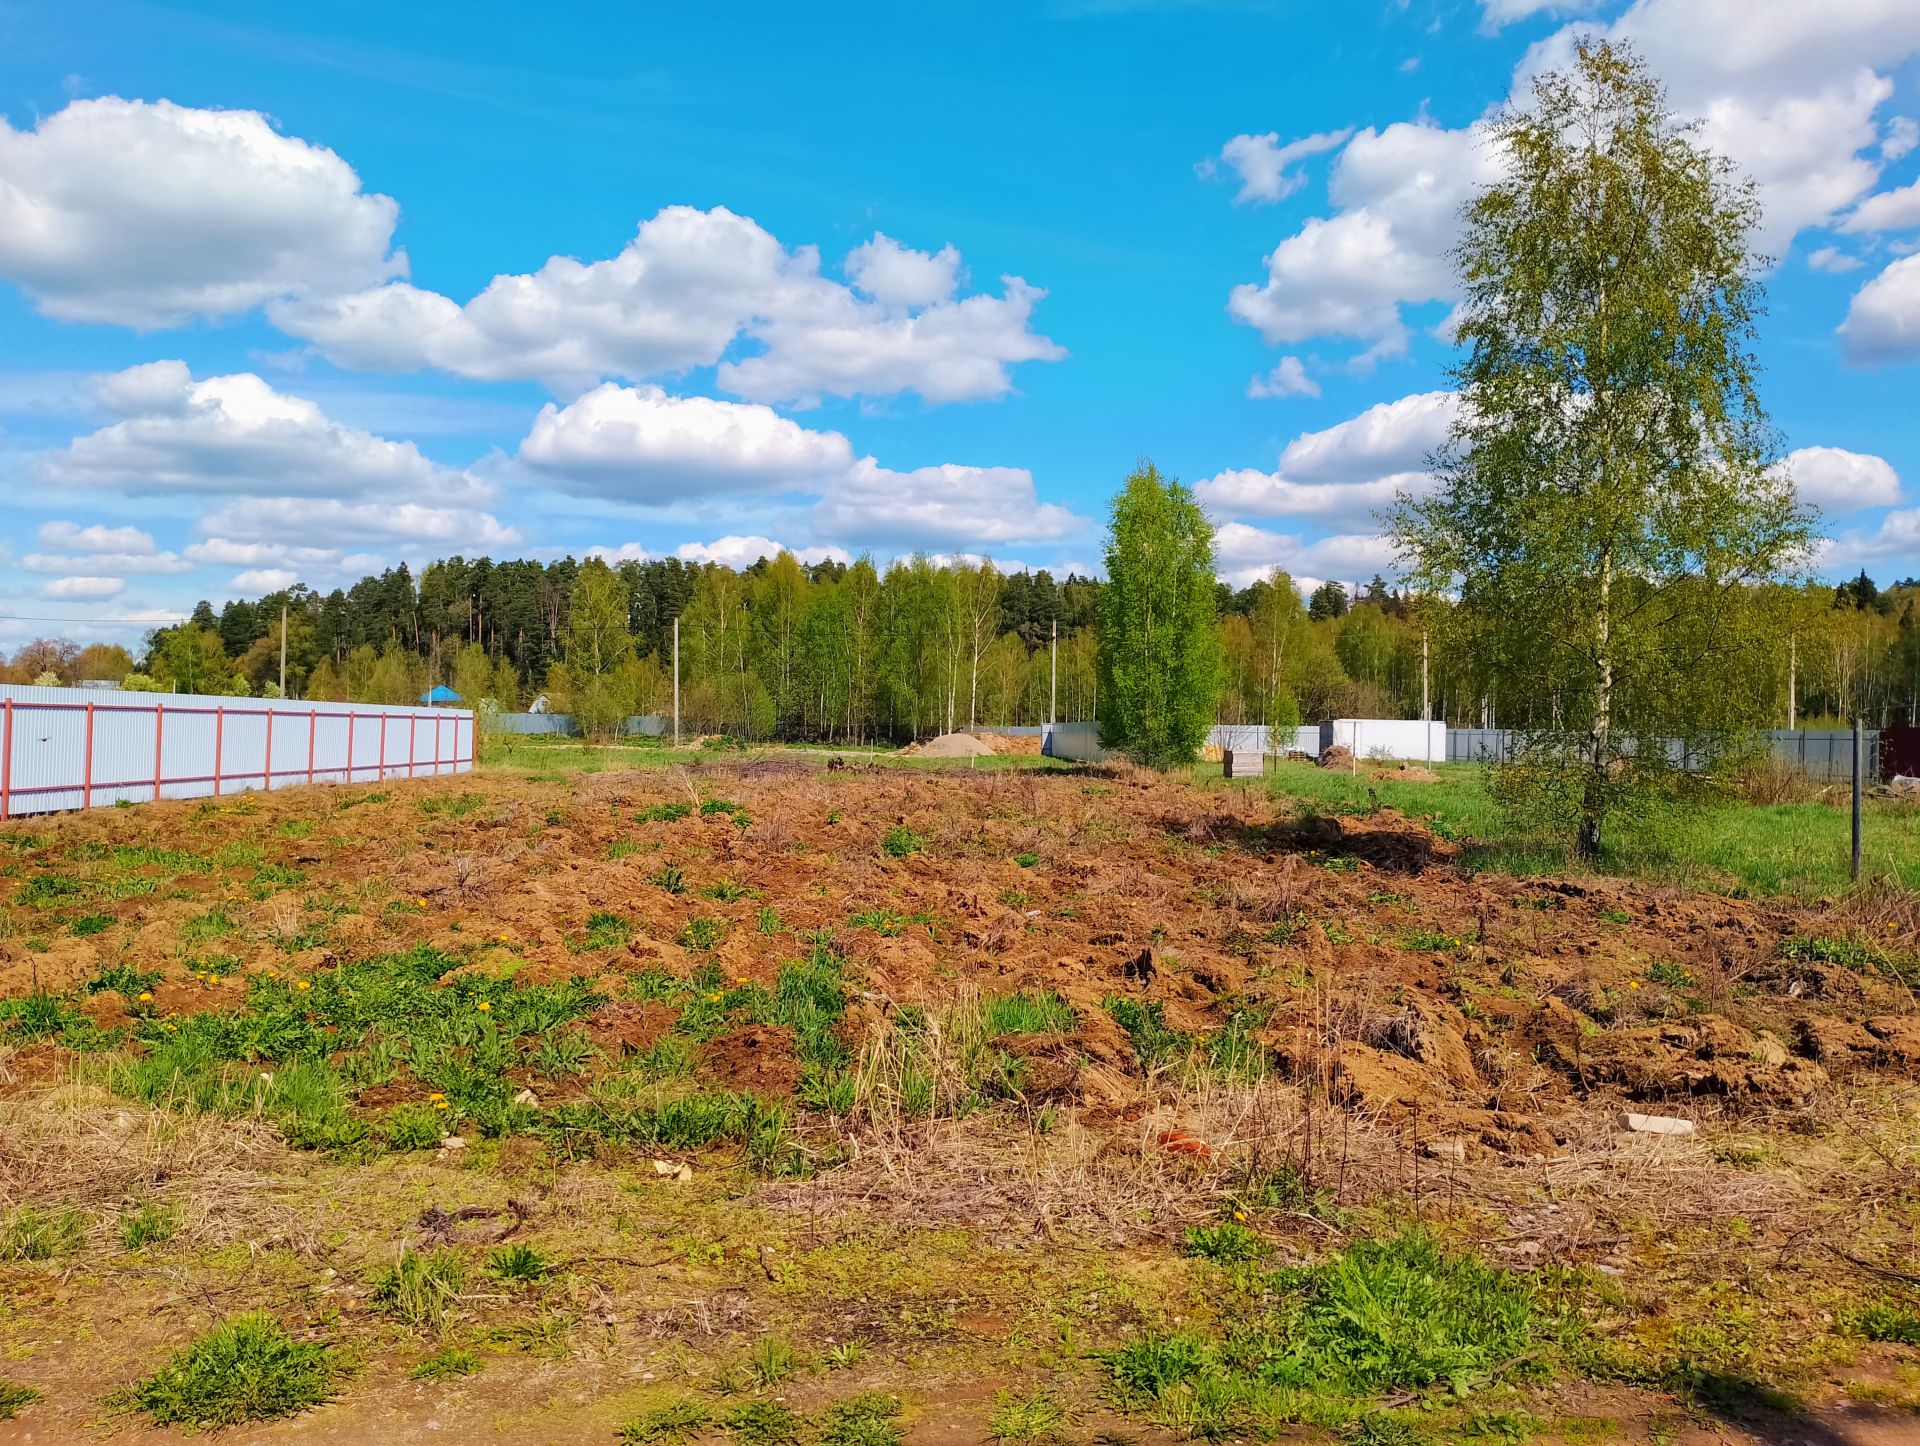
86, 768
159, 736
436, 747
350, 731
383, 745
6, 763
219, 743
413, 741
313, 728
266, 769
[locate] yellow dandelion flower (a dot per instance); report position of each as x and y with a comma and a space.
1634, 984
440, 1104
145, 998
421, 902
483, 1006
436, 1095
213, 979
301, 984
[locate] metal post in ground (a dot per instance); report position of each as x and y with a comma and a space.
1053, 683
676, 682
1859, 751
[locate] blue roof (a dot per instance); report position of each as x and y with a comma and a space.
440, 693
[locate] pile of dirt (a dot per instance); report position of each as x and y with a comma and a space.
951, 745
1338, 756
1023, 745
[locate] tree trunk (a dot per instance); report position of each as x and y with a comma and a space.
1593, 804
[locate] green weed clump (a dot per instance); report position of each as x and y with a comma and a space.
664, 812
1883, 1322
672, 1423
247, 1369
1155, 1042
1038, 1419
863, 1420
1004, 1014
33, 1234
13, 1398
1400, 1316
447, 1365
420, 1290
901, 841
149, 1225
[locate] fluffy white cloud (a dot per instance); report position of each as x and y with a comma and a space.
83, 588
1789, 91
147, 214
1897, 537
265, 579
1833, 261
1903, 134
1897, 210
72, 537
309, 562
1287, 379
1247, 554
947, 507
235, 434
900, 276
638, 444
1266, 168
334, 522
625, 552
1398, 192
1883, 320
1835, 480
1252, 493
1496, 14
1388, 437
120, 564
736, 551
679, 295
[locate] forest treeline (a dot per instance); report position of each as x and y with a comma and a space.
849, 651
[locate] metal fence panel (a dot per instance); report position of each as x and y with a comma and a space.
647, 725
63, 748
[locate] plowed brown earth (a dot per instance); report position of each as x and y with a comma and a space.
1482, 1020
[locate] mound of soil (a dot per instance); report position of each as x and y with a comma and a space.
951, 745
1338, 756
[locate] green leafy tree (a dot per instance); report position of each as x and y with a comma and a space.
1159, 646
1607, 504
597, 648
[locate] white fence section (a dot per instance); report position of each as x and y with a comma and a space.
1262, 739
1409, 740
63, 748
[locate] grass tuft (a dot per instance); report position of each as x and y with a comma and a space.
246, 1369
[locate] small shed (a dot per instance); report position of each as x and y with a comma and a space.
439, 693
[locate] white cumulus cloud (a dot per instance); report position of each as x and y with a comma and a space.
1883, 319
1836, 480
1288, 378
946, 507
687, 287
638, 444
83, 588
743, 551
234, 434
72, 537
1268, 169
149, 213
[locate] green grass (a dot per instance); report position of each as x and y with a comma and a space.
518, 1263
1029, 1420
764, 1423
420, 1290
862, 1420
149, 1225
1003, 1014
1796, 848
901, 841
670, 1424
447, 1365
13, 1398
247, 1369
1400, 1316
34, 1234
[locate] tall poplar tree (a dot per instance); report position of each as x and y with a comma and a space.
1159, 656
1607, 504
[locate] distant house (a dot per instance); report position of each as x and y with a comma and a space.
538, 705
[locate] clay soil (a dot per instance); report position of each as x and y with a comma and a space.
1434, 1044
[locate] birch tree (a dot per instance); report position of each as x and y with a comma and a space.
1607, 505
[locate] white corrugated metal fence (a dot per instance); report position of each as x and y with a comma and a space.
62, 748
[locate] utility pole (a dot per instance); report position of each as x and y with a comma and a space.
1859, 760
1426, 700
283, 650
676, 682
1793, 682
1053, 682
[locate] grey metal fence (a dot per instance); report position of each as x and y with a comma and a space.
64, 748
649, 725
1817, 752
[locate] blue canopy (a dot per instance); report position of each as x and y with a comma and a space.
440, 693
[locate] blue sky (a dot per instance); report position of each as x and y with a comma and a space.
872, 279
